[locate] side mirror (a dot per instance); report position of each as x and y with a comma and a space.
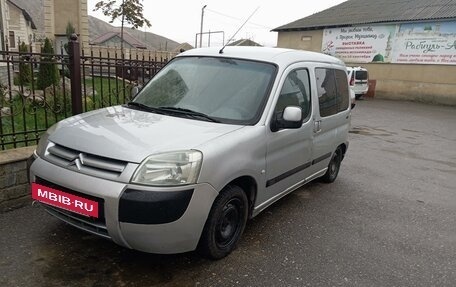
291, 118
134, 91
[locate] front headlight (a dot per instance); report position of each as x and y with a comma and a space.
42, 144
173, 168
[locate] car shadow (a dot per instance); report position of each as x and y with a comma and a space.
71, 257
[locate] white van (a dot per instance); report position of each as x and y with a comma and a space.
212, 140
358, 79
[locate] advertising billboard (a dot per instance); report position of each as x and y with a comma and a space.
411, 43
425, 43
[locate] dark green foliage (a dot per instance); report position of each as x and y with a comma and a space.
130, 11
70, 30
25, 69
48, 73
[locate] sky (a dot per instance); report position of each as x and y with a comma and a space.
181, 20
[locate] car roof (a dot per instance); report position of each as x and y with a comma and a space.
359, 68
277, 56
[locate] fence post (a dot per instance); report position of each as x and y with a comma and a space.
75, 75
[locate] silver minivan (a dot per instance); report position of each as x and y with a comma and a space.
211, 141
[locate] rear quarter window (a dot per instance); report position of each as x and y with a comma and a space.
327, 91
342, 91
333, 91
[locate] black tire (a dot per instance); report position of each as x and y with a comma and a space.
358, 97
333, 167
225, 224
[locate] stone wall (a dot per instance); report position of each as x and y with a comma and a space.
14, 186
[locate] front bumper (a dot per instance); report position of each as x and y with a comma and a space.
149, 219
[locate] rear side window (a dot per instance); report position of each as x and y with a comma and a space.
333, 93
326, 86
361, 75
342, 90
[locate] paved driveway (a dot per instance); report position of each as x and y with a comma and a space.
388, 220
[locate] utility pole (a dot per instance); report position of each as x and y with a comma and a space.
201, 30
122, 31
2, 29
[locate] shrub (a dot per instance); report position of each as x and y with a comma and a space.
48, 73
25, 69
70, 30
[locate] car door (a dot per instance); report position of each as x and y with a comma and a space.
331, 120
289, 150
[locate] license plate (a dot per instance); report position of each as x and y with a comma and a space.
64, 200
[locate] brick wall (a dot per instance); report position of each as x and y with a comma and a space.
14, 186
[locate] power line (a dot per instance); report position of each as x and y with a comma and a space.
238, 19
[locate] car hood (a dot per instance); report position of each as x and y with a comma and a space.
132, 135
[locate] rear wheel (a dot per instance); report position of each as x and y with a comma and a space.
333, 167
225, 224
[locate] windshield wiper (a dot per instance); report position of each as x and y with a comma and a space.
191, 113
168, 110
144, 107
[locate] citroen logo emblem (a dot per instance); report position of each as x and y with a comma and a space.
78, 161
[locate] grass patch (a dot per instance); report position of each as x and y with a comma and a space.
108, 92
23, 120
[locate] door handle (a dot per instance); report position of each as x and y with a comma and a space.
317, 126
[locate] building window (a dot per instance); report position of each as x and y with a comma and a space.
12, 39
306, 43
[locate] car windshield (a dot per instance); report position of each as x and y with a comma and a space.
208, 88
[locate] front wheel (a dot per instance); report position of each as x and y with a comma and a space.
333, 167
225, 224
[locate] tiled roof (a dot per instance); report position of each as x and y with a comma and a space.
244, 42
33, 11
358, 12
19, 5
132, 41
183, 46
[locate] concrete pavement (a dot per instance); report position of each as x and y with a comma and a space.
388, 220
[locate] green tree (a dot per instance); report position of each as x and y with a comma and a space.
130, 12
25, 69
70, 30
48, 73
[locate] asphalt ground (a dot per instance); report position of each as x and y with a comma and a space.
388, 220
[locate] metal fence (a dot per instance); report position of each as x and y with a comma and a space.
86, 80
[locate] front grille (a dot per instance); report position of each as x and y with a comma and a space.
73, 219
85, 162
90, 224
